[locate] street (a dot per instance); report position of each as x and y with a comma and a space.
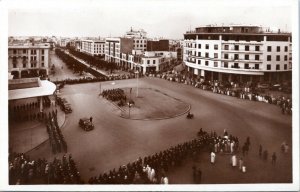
116, 141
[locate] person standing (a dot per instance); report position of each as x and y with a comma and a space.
274, 157
233, 161
241, 163
212, 157
91, 119
198, 176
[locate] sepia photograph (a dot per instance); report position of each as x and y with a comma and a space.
150, 95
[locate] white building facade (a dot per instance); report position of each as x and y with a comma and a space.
139, 39
238, 53
28, 60
93, 47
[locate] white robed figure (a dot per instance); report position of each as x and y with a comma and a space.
212, 157
233, 161
152, 175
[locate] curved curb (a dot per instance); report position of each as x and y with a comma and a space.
161, 118
149, 119
43, 142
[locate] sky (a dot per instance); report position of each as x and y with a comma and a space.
159, 18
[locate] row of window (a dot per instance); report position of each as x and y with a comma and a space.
246, 65
32, 51
237, 47
25, 65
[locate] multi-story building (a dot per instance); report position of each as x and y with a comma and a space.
158, 45
28, 60
238, 53
93, 47
139, 39
114, 47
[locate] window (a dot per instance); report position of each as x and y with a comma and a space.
206, 63
24, 65
285, 57
277, 57
247, 48
256, 57
226, 47
43, 65
226, 56
24, 50
15, 51
42, 58
236, 65
246, 65
277, 67
246, 57
153, 61
269, 57
216, 47
206, 55
226, 64
269, 48
199, 62
278, 48
285, 66
285, 48
268, 67
206, 46
215, 55
256, 66
199, 54
236, 47
236, 56
148, 62
14, 65
256, 48
215, 64
199, 46
42, 51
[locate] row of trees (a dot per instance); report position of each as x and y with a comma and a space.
94, 61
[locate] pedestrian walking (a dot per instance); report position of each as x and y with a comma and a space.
212, 157
274, 157
260, 151
91, 119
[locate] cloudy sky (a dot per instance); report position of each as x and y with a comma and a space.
160, 18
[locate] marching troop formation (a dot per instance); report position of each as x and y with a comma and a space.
23, 170
57, 140
115, 95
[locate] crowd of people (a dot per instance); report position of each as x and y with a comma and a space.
153, 169
29, 111
239, 90
23, 170
115, 95
56, 138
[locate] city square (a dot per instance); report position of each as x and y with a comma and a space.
205, 102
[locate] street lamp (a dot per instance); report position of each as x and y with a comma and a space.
137, 82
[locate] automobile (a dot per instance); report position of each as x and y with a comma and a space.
66, 107
86, 124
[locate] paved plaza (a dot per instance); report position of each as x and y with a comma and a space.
116, 141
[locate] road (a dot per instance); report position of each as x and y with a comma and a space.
117, 141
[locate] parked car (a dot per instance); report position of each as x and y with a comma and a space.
86, 124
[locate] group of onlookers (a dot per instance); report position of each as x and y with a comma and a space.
115, 95
24, 170
153, 169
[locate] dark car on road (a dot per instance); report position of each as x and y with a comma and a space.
86, 124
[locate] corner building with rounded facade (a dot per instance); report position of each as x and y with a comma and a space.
238, 53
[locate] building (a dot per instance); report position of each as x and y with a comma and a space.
159, 45
92, 47
114, 47
139, 39
28, 60
238, 53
